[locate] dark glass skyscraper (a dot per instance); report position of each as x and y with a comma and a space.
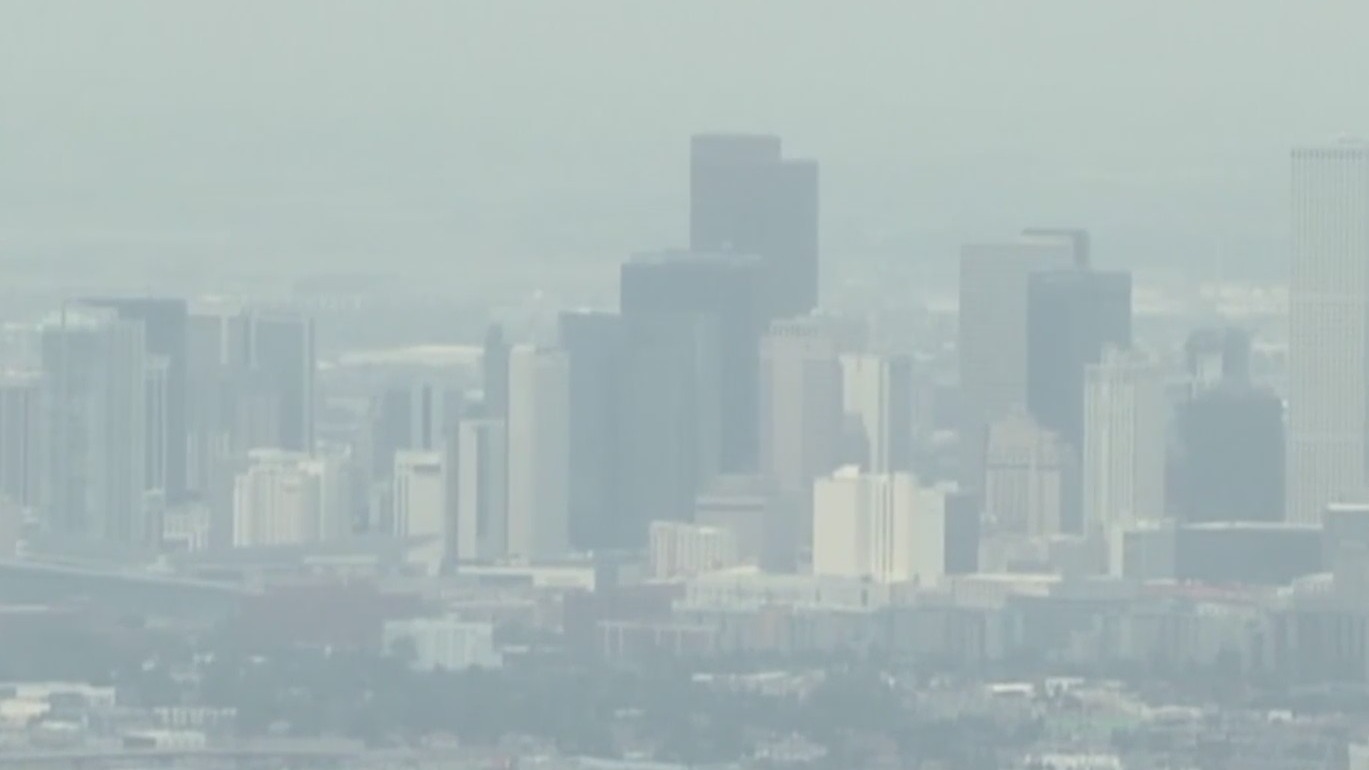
1072, 315
593, 342
1229, 463
668, 443
728, 291
283, 360
745, 197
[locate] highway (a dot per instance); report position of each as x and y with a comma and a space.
316, 755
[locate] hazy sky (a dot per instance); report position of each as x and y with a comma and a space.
450, 129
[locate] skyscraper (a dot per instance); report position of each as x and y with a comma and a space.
1328, 335
283, 357
165, 322
21, 437
668, 445
420, 491
1229, 463
495, 371
410, 415
1125, 421
992, 343
1025, 474
747, 198
801, 404
877, 390
726, 291
593, 343
482, 490
1072, 315
94, 380
539, 453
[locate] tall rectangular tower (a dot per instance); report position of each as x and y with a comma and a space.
593, 342
1125, 419
1328, 334
1072, 315
539, 453
746, 197
992, 343
166, 324
94, 380
727, 292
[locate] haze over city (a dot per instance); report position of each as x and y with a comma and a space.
627, 384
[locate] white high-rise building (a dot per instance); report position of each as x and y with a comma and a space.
878, 391
481, 490
680, 549
539, 453
1126, 414
885, 527
94, 382
420, 495
282, 498
1024, 476
1328, 336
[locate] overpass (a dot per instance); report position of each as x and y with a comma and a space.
138, 590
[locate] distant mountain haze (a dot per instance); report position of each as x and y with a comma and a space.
439, 130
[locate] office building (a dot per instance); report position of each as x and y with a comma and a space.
217, 365
992, 344
282, 497
1125, 422
284, 360
761, 526
1025, 476
877, 391
745, 197
413, 415
884, 527
679, 549
538, 453
964, 532
724, 289
95, 427
157, 397
481, 489
800, 412
165, 326
1078, 239
688, 382
21, 437
593, 345
1328, 337
668, 447
1072, 315
1229, 458
495, 371
420, 495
